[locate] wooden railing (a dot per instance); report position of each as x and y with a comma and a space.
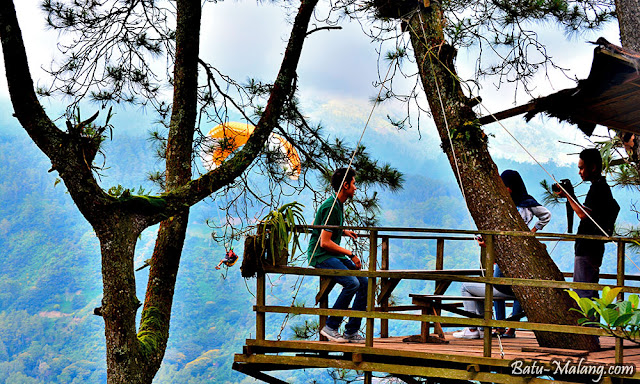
381, 236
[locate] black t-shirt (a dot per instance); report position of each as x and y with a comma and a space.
598, 201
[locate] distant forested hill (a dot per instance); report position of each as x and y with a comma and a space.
50, 279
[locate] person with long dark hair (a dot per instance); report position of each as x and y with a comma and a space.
528, 208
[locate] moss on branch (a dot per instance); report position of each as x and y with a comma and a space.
153, 331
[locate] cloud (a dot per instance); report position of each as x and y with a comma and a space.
336, 75
545, 139
347, 117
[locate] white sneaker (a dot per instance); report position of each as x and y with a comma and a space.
468, 334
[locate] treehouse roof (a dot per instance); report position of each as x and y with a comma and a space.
610, 96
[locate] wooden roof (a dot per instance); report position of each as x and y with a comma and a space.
610, 96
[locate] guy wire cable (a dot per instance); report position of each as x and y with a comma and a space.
554, 179
376, 102
453, 154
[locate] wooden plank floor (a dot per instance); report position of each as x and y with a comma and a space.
394, 351
511, 348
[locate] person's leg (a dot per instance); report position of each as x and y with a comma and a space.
585, 271
359, 302
350, 286
473, 290
517, 308
499, 308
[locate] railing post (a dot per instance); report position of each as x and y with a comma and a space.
439, 265
440, 254
620, 282
384, 265
324, 304
488, 296
371, 288
260, 302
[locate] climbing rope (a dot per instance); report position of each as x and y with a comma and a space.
431, 54
554, 179
300, 279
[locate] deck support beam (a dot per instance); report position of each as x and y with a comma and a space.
384, 301
243, 368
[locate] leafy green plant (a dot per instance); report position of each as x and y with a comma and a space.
278, 228
619, 318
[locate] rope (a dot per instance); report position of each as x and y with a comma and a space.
518, 142
554, 179
355, 152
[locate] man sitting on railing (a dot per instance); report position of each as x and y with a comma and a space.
325, 252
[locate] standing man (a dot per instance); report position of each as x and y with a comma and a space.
325, 252
600, 205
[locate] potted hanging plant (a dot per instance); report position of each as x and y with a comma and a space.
271, 243
277, 229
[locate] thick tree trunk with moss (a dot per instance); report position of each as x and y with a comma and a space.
487, 198
163, 269
135, 357
126, 360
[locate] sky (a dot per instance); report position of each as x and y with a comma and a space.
337, 73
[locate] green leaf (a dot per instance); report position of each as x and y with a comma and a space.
609, 316
573, 295
634, 300
635, 319
610, 294
622, 320
624, 307
586, 304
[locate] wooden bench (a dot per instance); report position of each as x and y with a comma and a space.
434, 304
387, 286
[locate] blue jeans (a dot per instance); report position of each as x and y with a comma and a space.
586, 270
351, 285
499, 306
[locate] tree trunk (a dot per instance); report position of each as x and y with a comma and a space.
131, 357
628, 12
163, 269
126, 361
487, 198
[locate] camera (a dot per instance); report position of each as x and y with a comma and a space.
566, 185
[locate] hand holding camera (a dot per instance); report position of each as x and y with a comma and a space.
567, 188
565, 191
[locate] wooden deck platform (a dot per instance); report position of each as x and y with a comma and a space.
457, 360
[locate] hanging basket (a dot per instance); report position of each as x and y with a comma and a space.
252, 257
281, 256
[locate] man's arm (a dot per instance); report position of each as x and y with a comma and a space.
329, 245
578, 208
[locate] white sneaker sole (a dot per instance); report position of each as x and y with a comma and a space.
468, 337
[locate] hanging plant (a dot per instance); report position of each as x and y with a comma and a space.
271, 243
279, 228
